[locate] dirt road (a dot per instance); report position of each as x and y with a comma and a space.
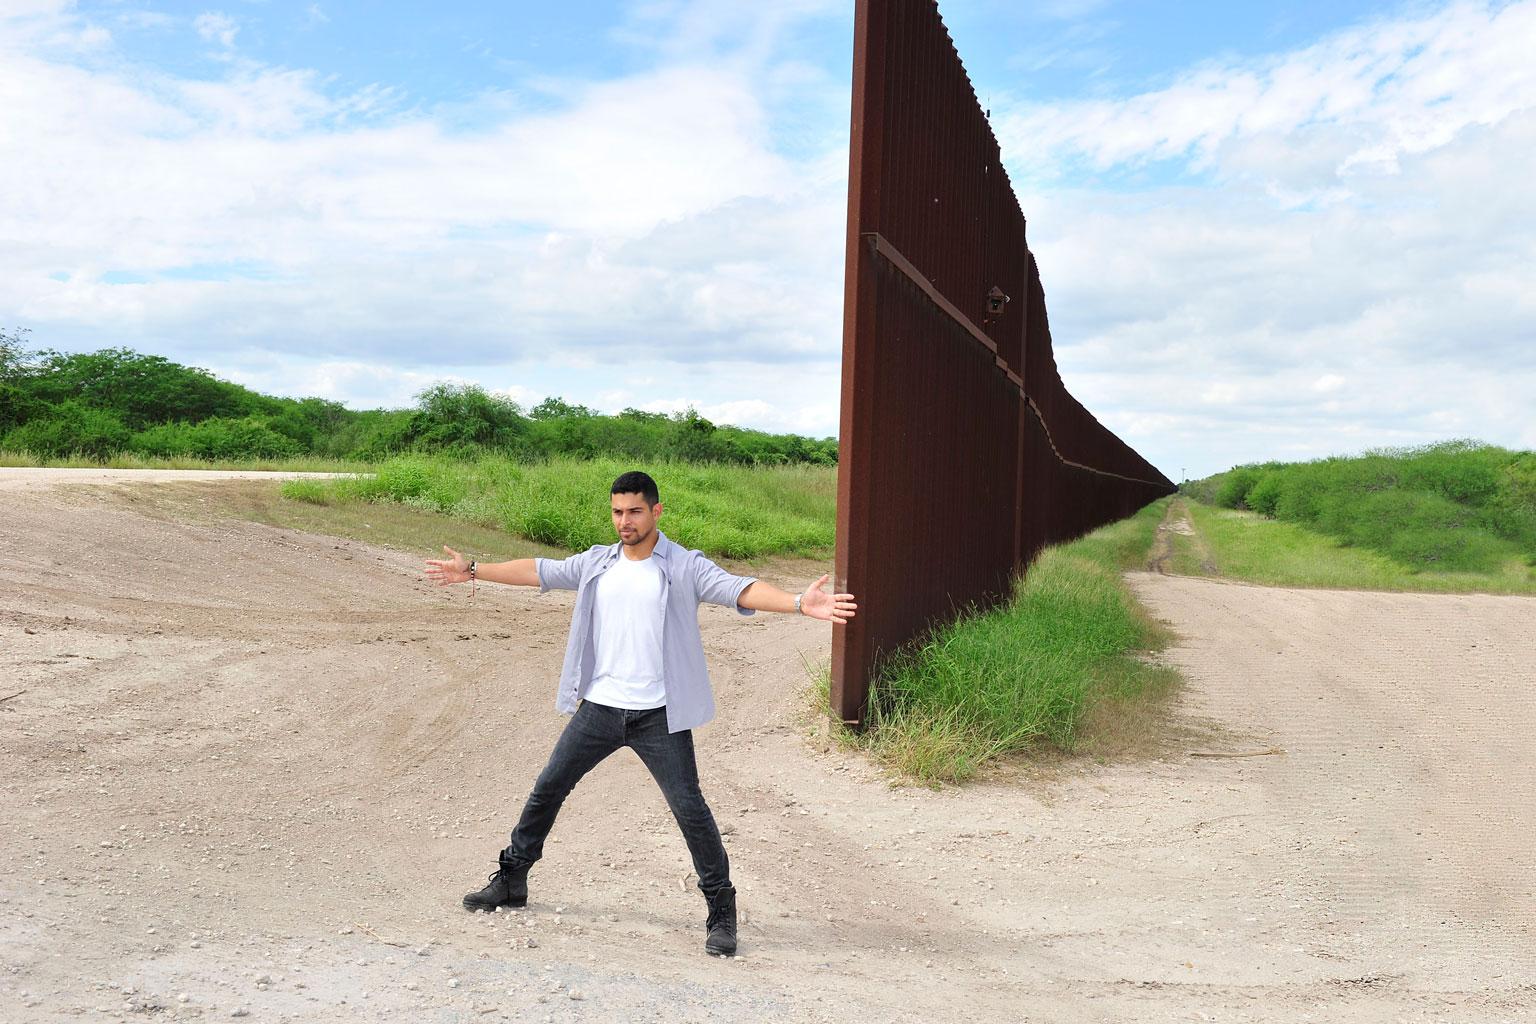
251, 771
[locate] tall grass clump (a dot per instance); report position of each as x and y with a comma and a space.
1457, 506
989, 684
727, 511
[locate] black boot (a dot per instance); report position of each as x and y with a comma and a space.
722, 922
508, 887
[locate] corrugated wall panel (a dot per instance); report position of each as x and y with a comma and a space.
961, 453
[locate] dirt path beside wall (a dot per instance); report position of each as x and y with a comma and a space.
257, 769
1176, 522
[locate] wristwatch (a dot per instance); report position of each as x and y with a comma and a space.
797, 604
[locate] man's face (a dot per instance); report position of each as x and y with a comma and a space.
633, 519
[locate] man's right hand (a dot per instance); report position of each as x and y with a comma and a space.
453, 569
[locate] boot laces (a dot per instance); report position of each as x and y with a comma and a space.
717, 904
501, 873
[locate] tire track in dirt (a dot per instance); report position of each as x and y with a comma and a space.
1176, 522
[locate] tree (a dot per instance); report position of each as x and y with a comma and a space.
17, 366
691, 437
14, 357
463, 415
143, 390
558, 408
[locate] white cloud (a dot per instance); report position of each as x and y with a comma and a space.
690, 30
22, 9
548, 225
1337, 257
50, 25
145, 19
364, 384
809, 420
215, 26
1358, 101
1328, 383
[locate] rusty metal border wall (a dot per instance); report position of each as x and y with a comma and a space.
961, 453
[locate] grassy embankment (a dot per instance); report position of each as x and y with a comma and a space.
1455, 517
731, 512
1062, 664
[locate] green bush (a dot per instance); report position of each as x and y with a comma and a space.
1457, 506
1263, 496
373, 434
1417, 528
1302, 493
1460, 471
1465, 549
464, 418
216, 438
1511, 511
70, 428
1232, 491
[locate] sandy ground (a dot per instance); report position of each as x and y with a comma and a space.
250, 773
12, 480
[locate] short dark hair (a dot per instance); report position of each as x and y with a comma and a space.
636, 482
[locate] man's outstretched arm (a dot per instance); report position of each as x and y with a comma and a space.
520, 572
764, 597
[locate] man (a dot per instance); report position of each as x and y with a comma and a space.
634, 676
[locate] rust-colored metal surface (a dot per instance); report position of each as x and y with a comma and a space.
961, 454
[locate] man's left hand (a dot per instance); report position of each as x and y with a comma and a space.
828, 607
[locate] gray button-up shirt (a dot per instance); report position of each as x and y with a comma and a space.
687, 578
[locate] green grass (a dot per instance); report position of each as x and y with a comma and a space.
726, 511
1062, 664
1246, 546
129, 460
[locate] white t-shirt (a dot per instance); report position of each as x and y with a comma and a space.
626, 631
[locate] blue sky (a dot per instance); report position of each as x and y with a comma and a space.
1266, 231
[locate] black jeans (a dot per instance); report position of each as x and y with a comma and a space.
596, 731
